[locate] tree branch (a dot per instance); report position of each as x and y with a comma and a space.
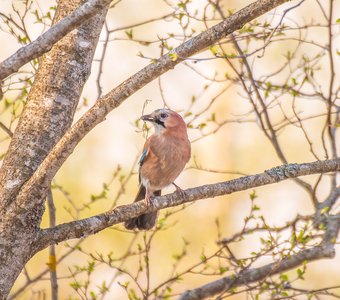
45, 42
52, 257
114, 98
48, 113
220, 286
52, 101
85, 227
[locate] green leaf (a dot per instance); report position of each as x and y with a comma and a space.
253, 195
322, 226
214, 50
161, 222
182, 5
23, 39
90, 267
230, 55
231, 11
75, 285
180, 16
284, 277
255, 207
246, 28
173, 56
300, 273
176, 256
324, 210
129, 33
93, 295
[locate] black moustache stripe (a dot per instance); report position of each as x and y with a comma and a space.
159, 122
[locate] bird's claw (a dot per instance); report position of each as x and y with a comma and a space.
148, 201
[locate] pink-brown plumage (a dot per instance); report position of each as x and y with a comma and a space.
164, 157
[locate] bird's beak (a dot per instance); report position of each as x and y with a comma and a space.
149, 118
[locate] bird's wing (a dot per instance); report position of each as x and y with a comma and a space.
145, 153
148, 156
143, 157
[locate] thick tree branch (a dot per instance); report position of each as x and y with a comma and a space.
45, 42
120, 214
220, 286
47, 115
114, 98
52, 101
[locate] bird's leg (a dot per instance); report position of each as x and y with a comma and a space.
148, 196
179, 190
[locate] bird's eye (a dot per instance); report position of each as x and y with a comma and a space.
163, 115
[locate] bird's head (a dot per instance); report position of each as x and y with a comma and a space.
164, 119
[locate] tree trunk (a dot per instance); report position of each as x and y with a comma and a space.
47, 115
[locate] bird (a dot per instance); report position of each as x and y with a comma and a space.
164, 157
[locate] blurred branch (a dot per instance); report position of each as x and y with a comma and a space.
266, 122
82, 228
101, 60
45, 42
330, 124
140, 23
4, 128
40, 276
324, 250
266, 228
52, 264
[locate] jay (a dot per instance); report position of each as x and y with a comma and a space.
164, 156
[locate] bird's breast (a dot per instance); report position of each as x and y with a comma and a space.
167, 160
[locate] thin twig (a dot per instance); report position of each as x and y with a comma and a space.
52, 258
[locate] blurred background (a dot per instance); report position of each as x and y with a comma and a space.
291, 69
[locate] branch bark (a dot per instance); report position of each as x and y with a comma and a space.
52, 101
47, 115
120, 214
45, 42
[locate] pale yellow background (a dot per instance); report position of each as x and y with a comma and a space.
238, 147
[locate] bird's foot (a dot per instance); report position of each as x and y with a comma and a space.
148, 200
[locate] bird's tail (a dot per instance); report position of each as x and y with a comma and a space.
144, 221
